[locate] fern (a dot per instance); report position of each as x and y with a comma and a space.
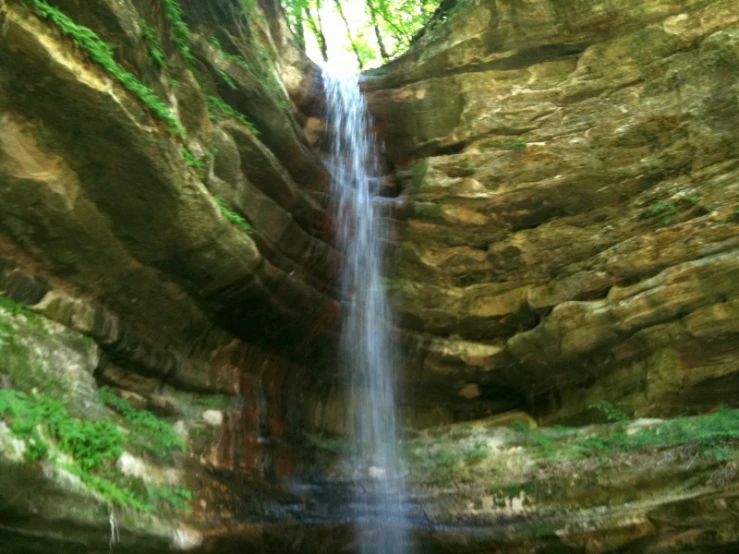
153, 48
181, 32
102, 53
147, 431
191, 160
217, 107
233, 217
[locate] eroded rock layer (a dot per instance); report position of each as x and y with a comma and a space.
163, 232
572, 182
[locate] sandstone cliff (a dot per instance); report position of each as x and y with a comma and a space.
163, 234
568, 218
566, 204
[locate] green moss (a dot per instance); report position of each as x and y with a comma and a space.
16, 357
233, 217
216, 402
218, 108
336, 445
102, 53
715, 436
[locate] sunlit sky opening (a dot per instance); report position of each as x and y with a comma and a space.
337, 43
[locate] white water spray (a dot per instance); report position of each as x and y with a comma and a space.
366, 348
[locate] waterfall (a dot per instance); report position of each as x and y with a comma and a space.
367, 353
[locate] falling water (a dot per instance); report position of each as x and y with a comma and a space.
366, 350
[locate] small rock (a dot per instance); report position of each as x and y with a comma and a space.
213, 417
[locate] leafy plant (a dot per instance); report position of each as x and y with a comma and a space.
102, 53
221, 52
477, 452
177, 497
147, 431
180, 30
217, 107
612, 414
714, 435
153, 48
233, 217
91, 445
664, 212
191, 160
226, 78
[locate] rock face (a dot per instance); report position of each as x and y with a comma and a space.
567, 234
571, 177
162, 219
567, 216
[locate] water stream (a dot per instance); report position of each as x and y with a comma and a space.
367, 352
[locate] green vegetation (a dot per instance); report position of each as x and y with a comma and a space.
92, 446
16, 355
153, 48
383, 31
517, 145
218, 108
461, 453
340, 446
611, 413
102, 53
714, 435
442, 462
666, 213
216, 402
221, 52
177, 497
191, 160
231, 57
226, 77
233, 217
147, 431
180, 31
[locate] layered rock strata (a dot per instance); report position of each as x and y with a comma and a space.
571, 177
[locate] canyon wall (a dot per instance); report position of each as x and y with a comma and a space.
567, 252
569, 198
564, 193
164, 235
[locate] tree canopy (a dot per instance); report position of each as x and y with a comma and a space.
374, 30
